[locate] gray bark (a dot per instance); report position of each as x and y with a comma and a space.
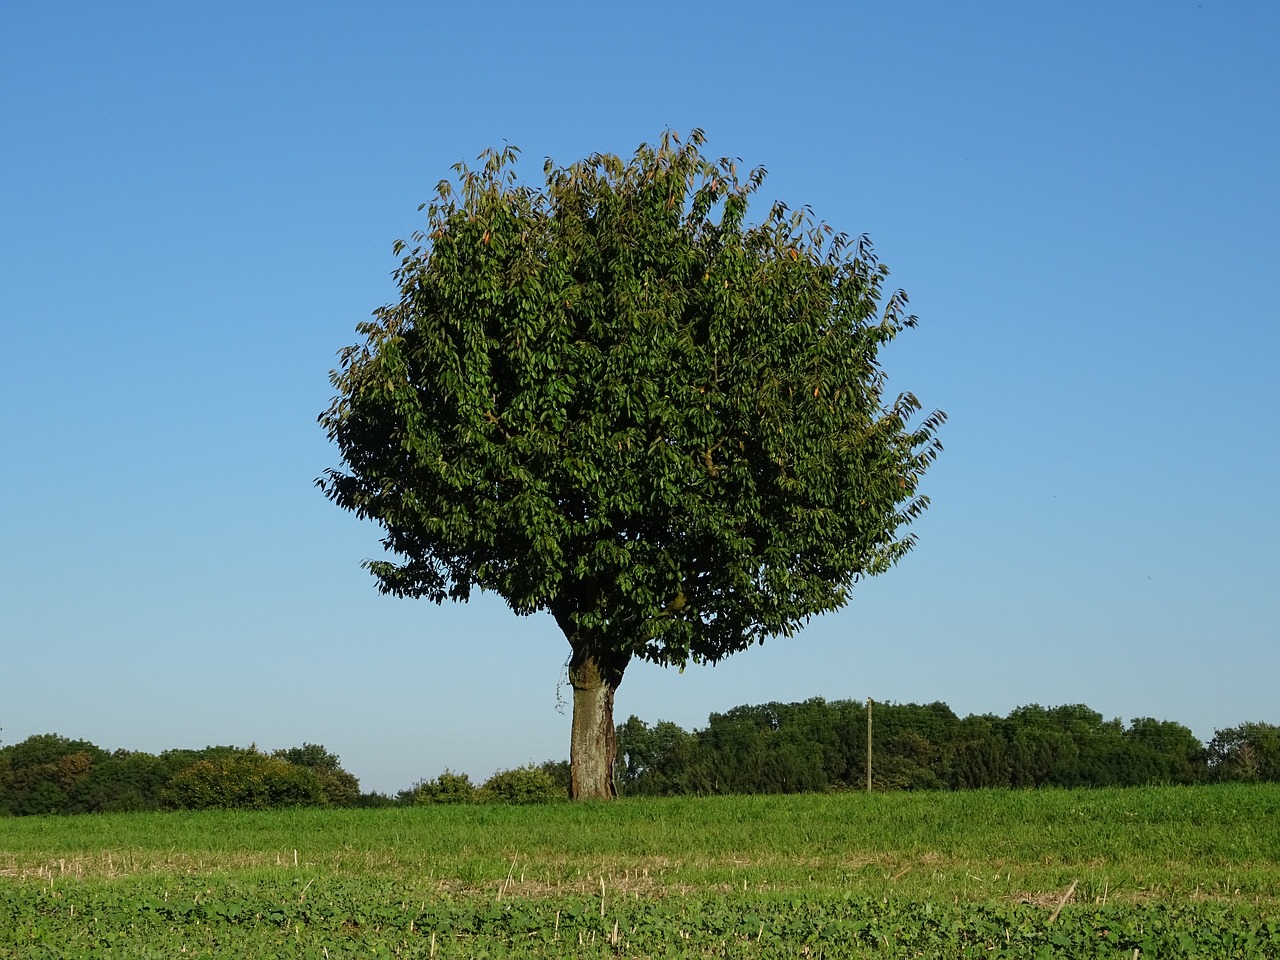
593, 742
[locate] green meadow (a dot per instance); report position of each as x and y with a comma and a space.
1169, 872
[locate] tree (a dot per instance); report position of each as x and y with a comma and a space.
658, 761
521, 786
1173, 754
39, 774
126, 781
245, 780
341, 789
449, 787
1249, 752
611, 399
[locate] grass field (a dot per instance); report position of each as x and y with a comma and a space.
1048, 873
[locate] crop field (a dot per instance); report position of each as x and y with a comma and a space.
1152, 872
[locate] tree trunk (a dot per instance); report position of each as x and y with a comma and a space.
593, 743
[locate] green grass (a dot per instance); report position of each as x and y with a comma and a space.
1211, 842
1208, 854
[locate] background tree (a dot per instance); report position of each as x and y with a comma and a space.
978, 754
341, 789
40, 774
245, 780
612, 399
523, 785
559, 772
448, 787
1248, 752
126, 781
1162, 751
660, 760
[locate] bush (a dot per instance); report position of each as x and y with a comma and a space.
38, 775
449, 787
247, 780
528, 784
375, 801
560, 772
124, 782
1249, 753
341, 789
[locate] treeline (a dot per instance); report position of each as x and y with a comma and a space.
48, 773
51, 774
818, 745
771, 748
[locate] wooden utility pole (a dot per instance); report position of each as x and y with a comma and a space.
868, 744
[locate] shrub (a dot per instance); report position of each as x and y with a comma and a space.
449, 787
375, 800
341, 789
125, 781
247, 780
38, 775
528, 784
559, 771
1248, 753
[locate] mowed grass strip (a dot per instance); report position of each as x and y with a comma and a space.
1171, 844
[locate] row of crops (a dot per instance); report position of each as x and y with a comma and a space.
326, 917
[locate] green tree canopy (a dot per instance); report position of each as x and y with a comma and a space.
1248, 752
613, 399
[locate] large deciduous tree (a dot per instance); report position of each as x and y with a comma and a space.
613, 398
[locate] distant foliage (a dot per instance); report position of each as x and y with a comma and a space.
376, 801
123, 783
819, 745
48, 773
339, 788
523, 785
449, 787
246, 781
812, 746
44, 773
1249, 753
560, 772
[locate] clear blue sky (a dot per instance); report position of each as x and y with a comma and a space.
199, 203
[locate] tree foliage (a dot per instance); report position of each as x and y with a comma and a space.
1247, 753
815, 745
247, 780
615, 399
337, 786
48, 773
522, 786
448, 787
821, 745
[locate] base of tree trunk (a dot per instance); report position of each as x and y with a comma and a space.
593, 742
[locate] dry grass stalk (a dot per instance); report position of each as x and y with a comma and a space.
1061, 903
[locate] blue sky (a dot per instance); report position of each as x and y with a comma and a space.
199, 206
